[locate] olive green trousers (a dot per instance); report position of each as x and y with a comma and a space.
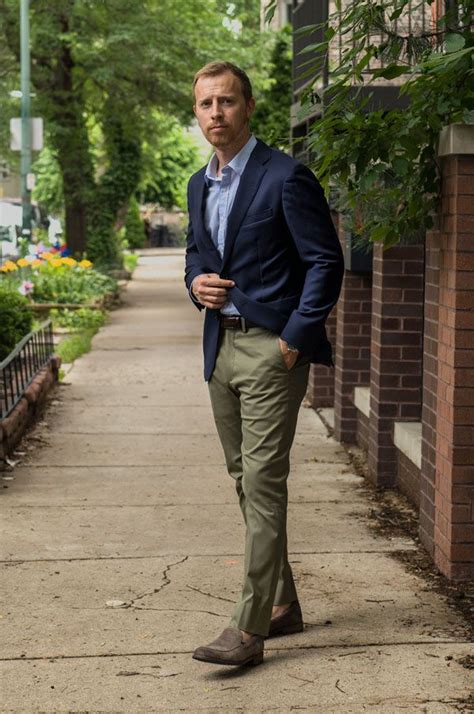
255, 401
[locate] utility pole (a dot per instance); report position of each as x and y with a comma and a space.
25, 118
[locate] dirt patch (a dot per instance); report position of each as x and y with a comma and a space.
392, 515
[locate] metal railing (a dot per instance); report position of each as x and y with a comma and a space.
21, 366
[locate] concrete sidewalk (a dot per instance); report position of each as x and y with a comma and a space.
122, 550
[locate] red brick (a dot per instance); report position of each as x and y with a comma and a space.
461, 513
462, 552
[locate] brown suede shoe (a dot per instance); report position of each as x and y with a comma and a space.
287, 623
229, 648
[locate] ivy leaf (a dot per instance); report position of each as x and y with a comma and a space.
400, 165
454, 42
390, 71
313, 47
305, 30
379, 233
395, 15
329, 34
270, 11
368, 179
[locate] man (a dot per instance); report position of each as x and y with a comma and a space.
264, 259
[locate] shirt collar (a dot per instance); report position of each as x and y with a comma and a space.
237, 164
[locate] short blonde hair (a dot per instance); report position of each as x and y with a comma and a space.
212, 69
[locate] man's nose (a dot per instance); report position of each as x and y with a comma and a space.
216, 109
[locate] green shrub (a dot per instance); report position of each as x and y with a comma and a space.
16, 320
74, 346
134, 228
130, 261
84, 317
64, 284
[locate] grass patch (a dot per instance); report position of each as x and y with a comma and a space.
130, 261
74, 346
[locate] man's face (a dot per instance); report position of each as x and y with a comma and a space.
221, 109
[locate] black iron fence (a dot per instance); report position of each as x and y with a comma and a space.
21, 366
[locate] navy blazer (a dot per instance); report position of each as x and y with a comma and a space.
281, 250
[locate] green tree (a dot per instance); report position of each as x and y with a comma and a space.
170, 156
111, 61
271, 119
134, 230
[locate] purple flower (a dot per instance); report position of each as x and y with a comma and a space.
26, 287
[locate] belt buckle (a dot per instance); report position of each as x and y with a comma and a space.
243, 324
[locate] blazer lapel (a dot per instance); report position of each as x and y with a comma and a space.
249, 183
198, 217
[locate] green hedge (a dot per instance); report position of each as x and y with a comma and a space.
16, 320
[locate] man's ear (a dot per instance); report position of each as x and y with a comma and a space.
250, 107
194, 109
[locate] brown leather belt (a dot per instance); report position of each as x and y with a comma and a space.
235, 322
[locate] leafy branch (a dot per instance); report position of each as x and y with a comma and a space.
384, 161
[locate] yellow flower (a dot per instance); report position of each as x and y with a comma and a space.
3, 269
85, 264
22, 262
10, 265
56, 262
46, 256
69, 261
36, 263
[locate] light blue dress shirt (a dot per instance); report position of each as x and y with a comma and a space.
220, 198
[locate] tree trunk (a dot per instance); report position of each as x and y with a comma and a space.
69, 137
76, 227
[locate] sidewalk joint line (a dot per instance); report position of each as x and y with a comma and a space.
408, 643
200, 555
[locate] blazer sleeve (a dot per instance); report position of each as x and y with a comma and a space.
193, 266
309, 221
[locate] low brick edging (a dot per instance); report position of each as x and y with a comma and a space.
14, 426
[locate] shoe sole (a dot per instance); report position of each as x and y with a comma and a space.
287, 630
256, 659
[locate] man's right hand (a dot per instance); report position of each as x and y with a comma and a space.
210, 290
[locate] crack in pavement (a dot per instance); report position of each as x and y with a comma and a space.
216, 597
165, 653
166, 582
178, 609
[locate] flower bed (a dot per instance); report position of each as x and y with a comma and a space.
58, 280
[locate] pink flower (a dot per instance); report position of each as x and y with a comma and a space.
26, 287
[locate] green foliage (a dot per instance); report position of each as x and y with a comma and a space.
48, 190
130, 261
108, 66
74, 346
169, 156
82, 318
384, 161
16, 319
271, 118
66, 285
134, 230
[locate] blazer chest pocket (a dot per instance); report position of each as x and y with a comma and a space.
256, 217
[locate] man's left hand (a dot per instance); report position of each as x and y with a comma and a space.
289, 356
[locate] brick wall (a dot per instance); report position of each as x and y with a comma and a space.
430, 385
396, 359
353, 330
321, 379
408, 478
362, 437
454, 466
